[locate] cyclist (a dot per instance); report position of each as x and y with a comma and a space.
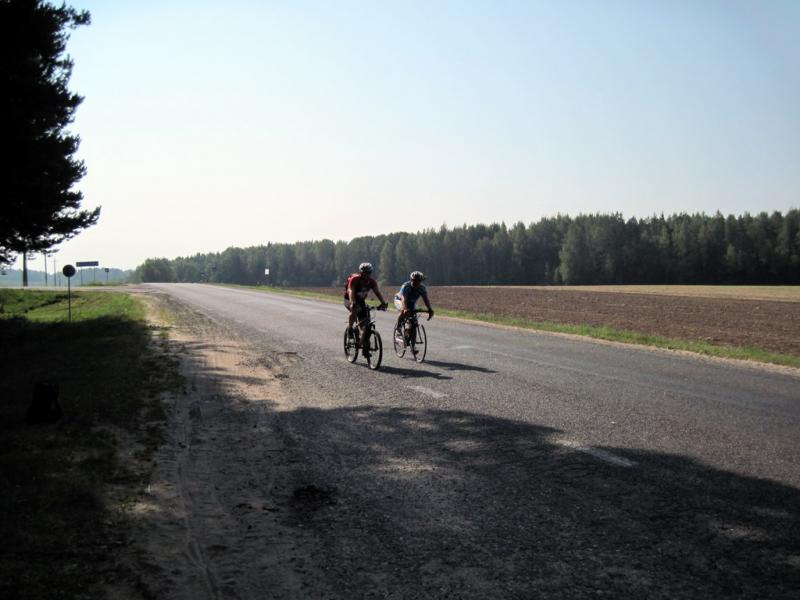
406, 299
359, 285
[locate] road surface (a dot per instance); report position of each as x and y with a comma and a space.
511, 464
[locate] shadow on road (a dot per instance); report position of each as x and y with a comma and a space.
455, 504
453, 366
412, 373
391, 502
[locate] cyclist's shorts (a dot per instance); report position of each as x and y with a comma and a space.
361, 311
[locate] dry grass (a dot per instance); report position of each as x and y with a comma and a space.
783, 293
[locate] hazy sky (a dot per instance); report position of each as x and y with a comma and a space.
216, 124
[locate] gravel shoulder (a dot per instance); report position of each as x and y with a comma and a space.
208, 524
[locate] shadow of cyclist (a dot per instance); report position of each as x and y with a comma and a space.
453, 366
413, 373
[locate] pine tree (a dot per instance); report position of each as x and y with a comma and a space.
38, 171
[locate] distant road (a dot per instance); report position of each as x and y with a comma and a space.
641, 472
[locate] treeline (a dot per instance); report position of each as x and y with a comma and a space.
587, 249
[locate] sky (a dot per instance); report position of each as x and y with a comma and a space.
214, 124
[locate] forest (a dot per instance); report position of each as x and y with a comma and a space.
560, 250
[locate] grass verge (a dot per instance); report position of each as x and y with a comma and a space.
58, 523
591, 331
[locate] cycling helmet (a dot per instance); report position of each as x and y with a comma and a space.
365, 268
417, 276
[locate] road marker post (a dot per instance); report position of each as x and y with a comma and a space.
68, 272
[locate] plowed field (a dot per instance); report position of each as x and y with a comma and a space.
768, 324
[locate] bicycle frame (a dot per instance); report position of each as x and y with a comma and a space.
358, 338
412, 317
407, 327
368, 320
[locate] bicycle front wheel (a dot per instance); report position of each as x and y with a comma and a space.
419, 347
399, 341
375, 350
350, 346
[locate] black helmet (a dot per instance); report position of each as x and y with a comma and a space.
365, 268
417, 276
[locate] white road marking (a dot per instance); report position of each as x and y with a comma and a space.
426, 391
463, 347
597, 453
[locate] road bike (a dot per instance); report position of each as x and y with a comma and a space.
409, 332
353, 337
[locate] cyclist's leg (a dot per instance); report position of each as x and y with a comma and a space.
400, 327
363, 326
350, 316
412, 330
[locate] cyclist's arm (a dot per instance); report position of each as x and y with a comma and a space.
428, 304
377, 291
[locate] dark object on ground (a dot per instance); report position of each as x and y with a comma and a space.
44, 407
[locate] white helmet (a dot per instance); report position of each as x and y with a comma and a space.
365, 268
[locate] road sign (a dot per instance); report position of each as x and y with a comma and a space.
68, 270
88, 263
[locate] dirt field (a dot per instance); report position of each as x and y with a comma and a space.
752, 320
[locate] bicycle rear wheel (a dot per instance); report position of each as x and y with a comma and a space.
350, 346
419, 347
399, 341
375, 350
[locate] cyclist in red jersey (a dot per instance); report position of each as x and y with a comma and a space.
359, 285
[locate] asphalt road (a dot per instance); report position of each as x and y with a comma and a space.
513, 464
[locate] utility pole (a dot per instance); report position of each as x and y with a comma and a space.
44, 254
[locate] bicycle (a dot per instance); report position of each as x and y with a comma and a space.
402, 337
352, 344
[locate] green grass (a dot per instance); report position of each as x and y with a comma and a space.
102, 284
51, 307
591, 331
57, 523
